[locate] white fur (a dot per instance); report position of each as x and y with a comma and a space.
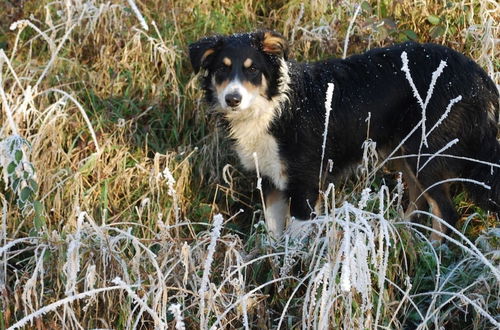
284, 81
276, 215
249, 128
235, 86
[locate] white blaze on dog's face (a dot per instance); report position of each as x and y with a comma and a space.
236, 95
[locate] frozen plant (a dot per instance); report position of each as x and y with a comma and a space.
18, 171
138, 14
218, 220
179, 321
328, 108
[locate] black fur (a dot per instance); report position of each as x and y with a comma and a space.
373, 84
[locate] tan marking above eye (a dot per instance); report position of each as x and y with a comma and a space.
226, 61
248, 62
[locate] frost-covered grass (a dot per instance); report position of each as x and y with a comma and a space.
119, 209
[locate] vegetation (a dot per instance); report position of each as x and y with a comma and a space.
123, 206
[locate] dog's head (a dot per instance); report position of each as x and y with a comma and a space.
240, 70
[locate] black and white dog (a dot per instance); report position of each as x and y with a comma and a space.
275, 108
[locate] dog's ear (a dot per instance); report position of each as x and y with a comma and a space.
200, 51
273, 43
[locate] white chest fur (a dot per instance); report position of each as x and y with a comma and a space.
250, 130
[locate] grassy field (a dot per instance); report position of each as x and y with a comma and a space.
123, 206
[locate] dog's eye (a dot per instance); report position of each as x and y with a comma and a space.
221, 71
252, 70
222, 68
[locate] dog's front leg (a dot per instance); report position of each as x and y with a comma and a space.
276, 212
303, 207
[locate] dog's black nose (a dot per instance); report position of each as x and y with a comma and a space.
233, 99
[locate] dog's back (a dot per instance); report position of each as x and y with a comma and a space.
445, 131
